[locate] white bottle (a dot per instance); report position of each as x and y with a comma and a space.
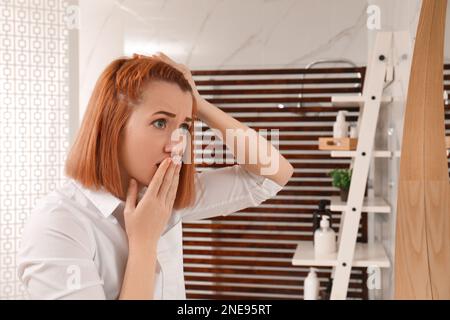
340, 127
324, 239
353, 132
311, 286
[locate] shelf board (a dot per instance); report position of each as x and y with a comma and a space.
350, 154
366, 255
354, 101
369, 205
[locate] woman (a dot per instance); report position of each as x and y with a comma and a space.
113, 231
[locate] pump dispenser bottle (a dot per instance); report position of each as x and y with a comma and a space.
318, 213
324, 239
340, 127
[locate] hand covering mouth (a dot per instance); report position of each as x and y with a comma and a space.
176, 158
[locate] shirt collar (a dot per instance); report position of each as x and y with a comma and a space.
103, 200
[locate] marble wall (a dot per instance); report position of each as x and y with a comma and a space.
216, 34
206, 34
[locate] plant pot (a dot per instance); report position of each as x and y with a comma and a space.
344, 195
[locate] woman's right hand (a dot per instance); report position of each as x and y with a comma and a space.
145, 222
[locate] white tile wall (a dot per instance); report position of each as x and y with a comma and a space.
34, 118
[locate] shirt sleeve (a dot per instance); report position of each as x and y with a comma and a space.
227, 190
55, 258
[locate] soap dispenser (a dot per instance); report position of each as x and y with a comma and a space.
311, 286
340, 127
317, 215
324, 239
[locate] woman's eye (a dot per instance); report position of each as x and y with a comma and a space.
185, 126
160, 123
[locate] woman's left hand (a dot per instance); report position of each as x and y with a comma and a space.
182, 68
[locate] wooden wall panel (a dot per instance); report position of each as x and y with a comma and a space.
422, 255
447, 104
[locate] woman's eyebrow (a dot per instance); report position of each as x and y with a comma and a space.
171, 115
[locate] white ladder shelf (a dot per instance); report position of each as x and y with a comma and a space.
350, 253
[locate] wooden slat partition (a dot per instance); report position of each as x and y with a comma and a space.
247, 255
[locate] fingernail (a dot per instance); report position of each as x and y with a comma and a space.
176, 159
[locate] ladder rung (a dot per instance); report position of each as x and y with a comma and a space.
369, 205
366, 255
355, 101
350, 154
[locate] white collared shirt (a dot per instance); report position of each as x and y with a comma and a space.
74, 245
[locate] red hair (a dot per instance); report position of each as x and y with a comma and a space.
93, 159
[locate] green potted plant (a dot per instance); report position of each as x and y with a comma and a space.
341, 180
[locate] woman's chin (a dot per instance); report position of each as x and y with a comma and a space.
140, 184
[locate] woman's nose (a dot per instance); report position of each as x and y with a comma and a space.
174, 148
169, 147
176, 144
